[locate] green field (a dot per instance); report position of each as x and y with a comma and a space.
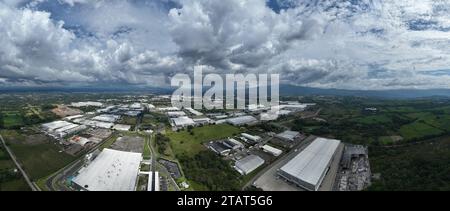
185, 143
12, 120
418, 130
418, 167
38, 160
10, 183
126, 120
373, 119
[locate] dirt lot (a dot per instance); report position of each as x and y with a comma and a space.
129, 144
63, 111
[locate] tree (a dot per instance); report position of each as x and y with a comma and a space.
1, 120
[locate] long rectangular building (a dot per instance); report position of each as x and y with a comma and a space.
112, 170
309, 167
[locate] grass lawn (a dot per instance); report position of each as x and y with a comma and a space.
108, 142
185, 143
375, 119
15, 185
38, 160
147, 151
418, 130
126, 120
12, 120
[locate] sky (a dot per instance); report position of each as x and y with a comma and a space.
345, 44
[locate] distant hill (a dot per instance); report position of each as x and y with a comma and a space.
290, 90
393, 94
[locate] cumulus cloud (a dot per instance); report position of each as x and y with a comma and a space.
367, 44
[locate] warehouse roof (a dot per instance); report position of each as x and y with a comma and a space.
242, 120
112, 170
176, 113
106, 118
272, 150
183, 121
310, 164
192, 111
248, 164
288, 135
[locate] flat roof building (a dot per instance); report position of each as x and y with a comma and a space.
176, 113
121, 127
181, 122
272, 150
112, 170
308, 168
106, 118
233, 144
251, 137
242, 120
219, 148
194, 112
248, 164
288, 135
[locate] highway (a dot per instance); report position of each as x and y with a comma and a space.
24, 174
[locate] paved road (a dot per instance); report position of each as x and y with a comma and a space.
24, 174
161, 167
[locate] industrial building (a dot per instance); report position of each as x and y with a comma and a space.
272, 150
133, 113
182, 122
242, 120
79, 140
168, 109
219, 148
98, 124
203, 121
308, 168
107, 118
61, 129
112, 170
176, 114
194, 112
248, 164
153, 185
251, 137
121, 127
233, 144
87, 104
288, 135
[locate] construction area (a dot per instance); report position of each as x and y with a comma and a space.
354, 172
129, 144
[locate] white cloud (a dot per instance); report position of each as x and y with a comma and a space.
367, 44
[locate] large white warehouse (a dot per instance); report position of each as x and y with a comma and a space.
112, 170
309, 167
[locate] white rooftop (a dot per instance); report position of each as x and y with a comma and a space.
311, 163
106, 118
241, 120
183, 121
176, 113
122, 127
289, 135
248, 164
272, 150
112, 170
192, 111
